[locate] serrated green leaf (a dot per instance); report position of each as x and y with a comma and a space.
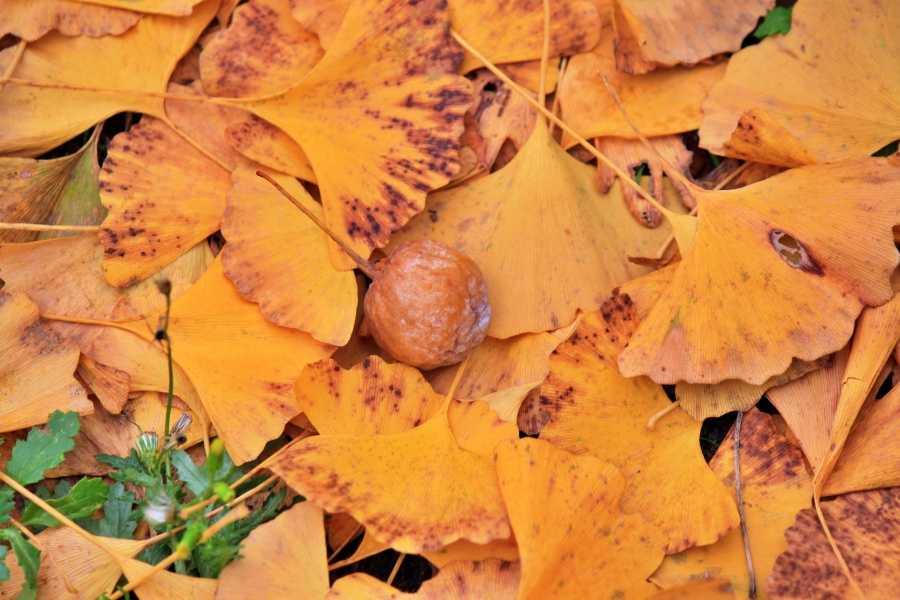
29, 559
777, 22
43, 451
83, 500
7, 502
119, 519
196, 479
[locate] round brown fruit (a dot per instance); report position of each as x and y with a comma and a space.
428, 304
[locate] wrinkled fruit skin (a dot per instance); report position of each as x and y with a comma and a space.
428, 305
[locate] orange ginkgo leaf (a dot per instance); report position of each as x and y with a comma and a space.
865, 527
276, 256
683, 32
811, 80
417, 490
379, 118
36, 367
769, 279
150, 176
32, 191
372, 398
877, 334
31, 19
574, 540
664, 102
595, 410
87, 567
808, 405
110, 385
178, 8
463, 550
293, 543
699, 589
774, 486
547, 241
492, 578
245, 381
36, 119
501, 372
163, 585
262, 142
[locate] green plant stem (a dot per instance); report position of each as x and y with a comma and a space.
171, 392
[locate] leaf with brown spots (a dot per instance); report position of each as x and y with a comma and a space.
680, 32
811, 80
574, 540
596, 411
771, 276
36, 119
293, 543
865, 527
163, 196
379, 118
547, 241
664, 102
276, 256
417, 490
775, 486
372, 398
36, 367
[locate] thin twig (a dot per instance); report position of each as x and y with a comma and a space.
740, 502
17, 57
43, 227
399, 562
651, 422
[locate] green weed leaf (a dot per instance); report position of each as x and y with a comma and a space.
6, 503
196, 479
777, 22
119, 519
43, 451
83, 500
4, 572
29, 559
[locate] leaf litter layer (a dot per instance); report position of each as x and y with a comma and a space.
363, 101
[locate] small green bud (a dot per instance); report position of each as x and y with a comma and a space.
225, 493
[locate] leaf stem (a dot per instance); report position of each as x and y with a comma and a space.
740, 502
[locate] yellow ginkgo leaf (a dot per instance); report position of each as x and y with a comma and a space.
278, 257
178, 8
595, 410
372, 398
36, 367
574, 540
89, 568
680, 32
267, 145
36, 119
769, 278
547, 241
164, 585
812, 71
463, 550
664, 102
416, 490
242, 366
32, 19
379, 118
149, 175
774, 486
284, 558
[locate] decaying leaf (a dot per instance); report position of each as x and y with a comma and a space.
864, 525
790, 77
768, 279
685, 32
36, 367
573, 539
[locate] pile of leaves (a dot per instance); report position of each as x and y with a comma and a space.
680, 208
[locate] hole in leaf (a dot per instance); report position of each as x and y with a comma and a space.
793, 252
